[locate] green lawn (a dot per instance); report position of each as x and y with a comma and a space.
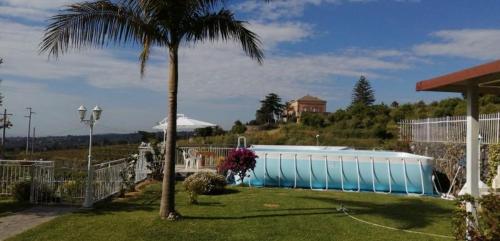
255, 214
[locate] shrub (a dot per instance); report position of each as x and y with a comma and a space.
239, 161
21, 191
203, 183
128, 175
313, 119
154, 159
488, 218
493, 162
70, 190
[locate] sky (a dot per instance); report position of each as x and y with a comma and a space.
316, 47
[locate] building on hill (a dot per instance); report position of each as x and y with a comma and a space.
308, 103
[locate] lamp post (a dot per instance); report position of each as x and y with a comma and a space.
94, 117
317, 140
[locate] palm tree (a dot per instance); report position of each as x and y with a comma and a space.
166, 23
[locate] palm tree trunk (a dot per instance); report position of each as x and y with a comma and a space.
167, 204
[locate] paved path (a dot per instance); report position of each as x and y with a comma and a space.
19, 222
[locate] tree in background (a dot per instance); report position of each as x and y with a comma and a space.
363, 93
209, 131
313, 119
271, 109
148, 23
238, 128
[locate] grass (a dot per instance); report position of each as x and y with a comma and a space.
9, 206
254, 214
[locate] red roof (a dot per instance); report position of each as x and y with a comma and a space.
486, 76
311, 98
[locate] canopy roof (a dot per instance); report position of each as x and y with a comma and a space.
485, 76
184, 123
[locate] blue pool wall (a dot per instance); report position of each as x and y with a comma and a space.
337, 168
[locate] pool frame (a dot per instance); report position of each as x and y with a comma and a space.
341, 153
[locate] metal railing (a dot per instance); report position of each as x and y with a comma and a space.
206, 157
15, 171
451, 129
48, 184
107, 178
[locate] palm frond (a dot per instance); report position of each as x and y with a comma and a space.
144, 56
94, 24
222, 25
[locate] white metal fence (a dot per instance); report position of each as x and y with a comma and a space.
15, 171
44, 183
451, 129
48, 184
108, 179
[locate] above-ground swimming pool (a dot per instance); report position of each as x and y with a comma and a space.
341, 168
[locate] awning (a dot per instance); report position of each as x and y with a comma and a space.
485, 76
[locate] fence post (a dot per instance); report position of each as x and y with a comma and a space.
498, 126
428, 129
447, 128
32, 188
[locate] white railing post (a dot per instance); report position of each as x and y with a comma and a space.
428, 130
447, 128
498, 127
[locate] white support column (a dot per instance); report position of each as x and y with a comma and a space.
472, 183
472, 143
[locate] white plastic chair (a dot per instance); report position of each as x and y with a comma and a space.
189, 158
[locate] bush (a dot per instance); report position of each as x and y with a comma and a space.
488, 218
493, 162
70, 190
204, 183
239, 161
313, 119
21, 191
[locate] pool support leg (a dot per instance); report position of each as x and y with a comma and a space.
295, 167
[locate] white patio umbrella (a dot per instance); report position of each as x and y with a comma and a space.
183, 124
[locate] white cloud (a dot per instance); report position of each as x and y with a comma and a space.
279, 9
468, 43
31, 9
216, 79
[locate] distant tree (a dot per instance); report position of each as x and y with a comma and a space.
394, 104
209, 131
238, 128
363, 92
271, 109
313, 119
147, 136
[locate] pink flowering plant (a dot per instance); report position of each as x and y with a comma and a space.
239, 161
